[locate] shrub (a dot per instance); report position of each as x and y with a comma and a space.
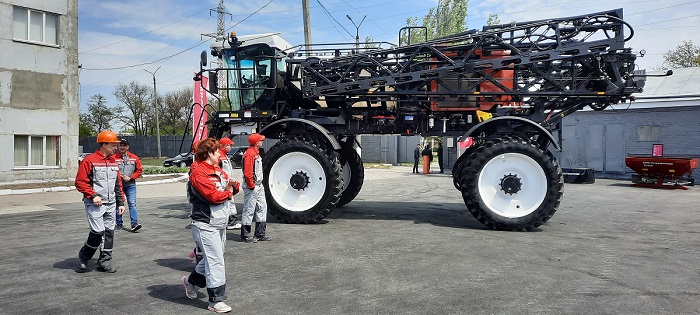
165, 170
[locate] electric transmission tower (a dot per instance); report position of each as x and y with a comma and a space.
219, 36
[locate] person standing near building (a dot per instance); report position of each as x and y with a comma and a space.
254, 202
416, 158
98, 179
130, 169
226, 146
210, 191
439, 154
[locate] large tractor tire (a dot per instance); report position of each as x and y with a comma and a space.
353, 177
511, 183
303, 182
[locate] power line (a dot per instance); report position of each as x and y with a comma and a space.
139, 35
331, 16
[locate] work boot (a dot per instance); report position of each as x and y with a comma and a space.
82, 265
245, 233
263, 238
107, 269
249, 239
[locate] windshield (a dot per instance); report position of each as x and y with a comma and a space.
249, 75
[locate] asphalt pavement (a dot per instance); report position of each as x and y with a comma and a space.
405, 245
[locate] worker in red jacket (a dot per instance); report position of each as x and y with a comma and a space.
99, 181
253, 193
210, 191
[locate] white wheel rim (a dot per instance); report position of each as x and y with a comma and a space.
532, 191
281, 189
346, 175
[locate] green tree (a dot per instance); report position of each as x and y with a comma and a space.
685, 55
493, 19
136, 99
449, 17
174, 111
98, 117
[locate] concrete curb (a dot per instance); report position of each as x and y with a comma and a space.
4, 192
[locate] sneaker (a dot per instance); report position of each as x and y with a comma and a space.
219, 307
233, 226
249, 240
108, 269
190, 289
135, 228
119, 227
263, 238
82, 265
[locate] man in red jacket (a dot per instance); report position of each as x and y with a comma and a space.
99, 181
130, 169
253, 192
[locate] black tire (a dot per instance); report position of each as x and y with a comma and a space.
457, 167
524, 204
291, 167
356, 170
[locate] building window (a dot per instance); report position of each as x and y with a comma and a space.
648, 133
35, 26
37, 151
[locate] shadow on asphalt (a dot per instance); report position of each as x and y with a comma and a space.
175, 293
182, 264
450, 215
72, 264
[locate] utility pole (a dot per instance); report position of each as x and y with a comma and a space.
357, 31
155, 99
219, 36
307, 25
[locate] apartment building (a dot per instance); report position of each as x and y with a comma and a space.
39, 107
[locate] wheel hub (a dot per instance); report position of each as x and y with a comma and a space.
299, 180
511, 184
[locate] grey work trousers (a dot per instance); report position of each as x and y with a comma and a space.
254, 203
212, 242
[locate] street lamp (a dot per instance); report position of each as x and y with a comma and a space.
357, 31
155, 97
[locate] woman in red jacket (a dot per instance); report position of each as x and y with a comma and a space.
210, 192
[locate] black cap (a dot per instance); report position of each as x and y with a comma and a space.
124, 142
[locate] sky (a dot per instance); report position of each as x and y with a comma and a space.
120, 40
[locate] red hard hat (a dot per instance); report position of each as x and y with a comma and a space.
225, 141
107, 136
254, 138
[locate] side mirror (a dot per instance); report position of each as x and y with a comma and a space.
203, 59
213, 82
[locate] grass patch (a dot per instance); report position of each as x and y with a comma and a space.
152, 161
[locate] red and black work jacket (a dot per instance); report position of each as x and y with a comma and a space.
208, 195
99, 175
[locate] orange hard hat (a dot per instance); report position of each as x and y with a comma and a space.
254, 138
107, 136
